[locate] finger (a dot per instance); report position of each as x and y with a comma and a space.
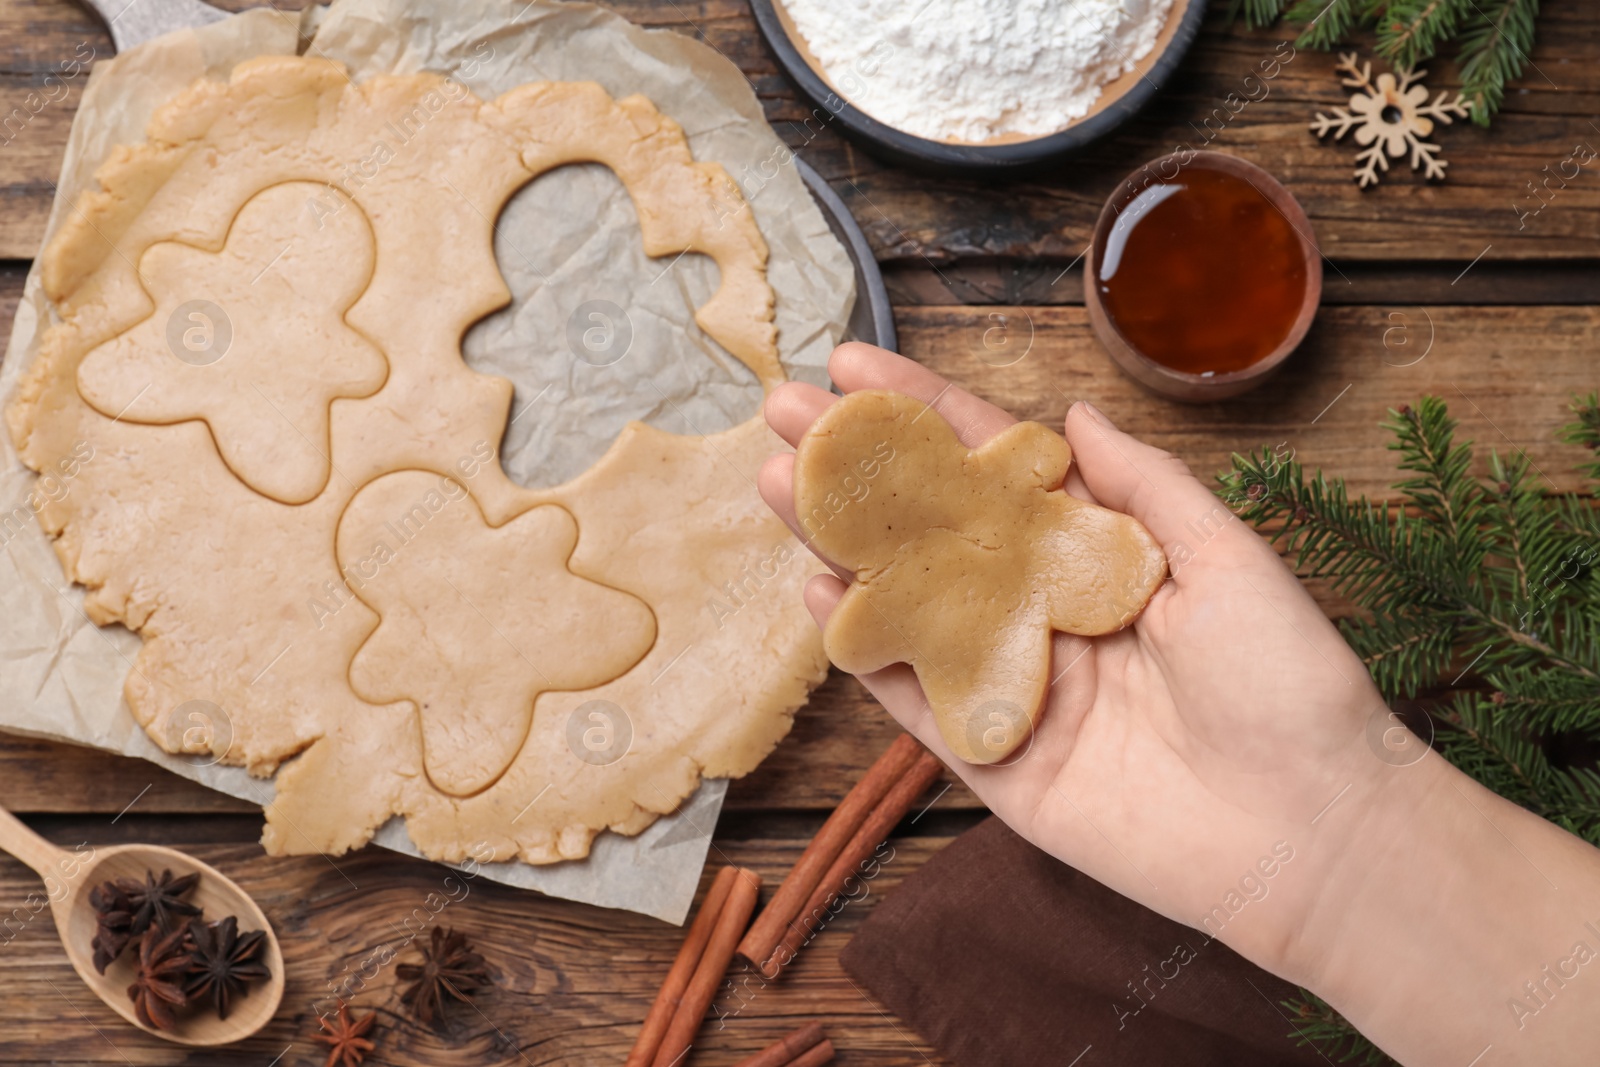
1076, 486
775, 482
792, 407
855, 366
1137, 479
822, 595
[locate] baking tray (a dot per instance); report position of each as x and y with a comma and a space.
871, 320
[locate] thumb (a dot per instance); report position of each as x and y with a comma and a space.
1152, 486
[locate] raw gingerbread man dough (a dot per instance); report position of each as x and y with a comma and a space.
964, 560
250, 338
415, 548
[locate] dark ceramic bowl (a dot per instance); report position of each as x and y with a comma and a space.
1157, 377
1118, 102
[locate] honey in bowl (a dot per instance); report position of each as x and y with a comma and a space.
1202, 273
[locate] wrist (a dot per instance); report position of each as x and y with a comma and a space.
1342, 833
1354, 842
1384, 856
1439, 901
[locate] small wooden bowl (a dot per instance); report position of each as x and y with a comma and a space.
1009, 156
1157, 377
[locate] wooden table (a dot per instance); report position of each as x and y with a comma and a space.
1455, 289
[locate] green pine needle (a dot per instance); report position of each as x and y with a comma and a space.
1478, 598
1318, 1025
1412, 30
1492, 38
1585, 430
1494, 47
1256, 12
1326, 22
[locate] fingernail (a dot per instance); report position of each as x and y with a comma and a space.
1093, 412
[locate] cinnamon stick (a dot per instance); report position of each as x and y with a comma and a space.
693, 948
865, 841
782, 1052
814, 862
708, 973
814, 1056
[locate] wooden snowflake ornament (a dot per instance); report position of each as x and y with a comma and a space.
1390, 117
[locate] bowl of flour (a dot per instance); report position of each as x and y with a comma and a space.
977, 85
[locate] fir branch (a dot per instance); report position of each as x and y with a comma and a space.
1317, 1024
1352, 542
1522, 531
1547, 701
1515, 514
1576, 792
1442, 489
1412, 30
1401, 655
1257, 13
1327, 22
1494, 48
1493, 38
1427, 569
1497, 753
1585, 430
1579, 521
1504, 757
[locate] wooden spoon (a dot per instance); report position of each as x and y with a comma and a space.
68, 877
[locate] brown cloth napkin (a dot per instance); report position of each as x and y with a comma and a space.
1003, 956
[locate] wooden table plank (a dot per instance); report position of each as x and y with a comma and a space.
913, 218
573, 981
1048, 281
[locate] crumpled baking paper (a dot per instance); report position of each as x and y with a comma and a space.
568, 246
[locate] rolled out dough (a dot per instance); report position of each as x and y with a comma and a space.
192, 524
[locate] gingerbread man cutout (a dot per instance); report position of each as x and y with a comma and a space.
251, 339
964, 560
475, 621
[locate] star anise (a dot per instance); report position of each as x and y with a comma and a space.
346, 1038
223, 962
159, 902
157, 992
114, 923
449, 968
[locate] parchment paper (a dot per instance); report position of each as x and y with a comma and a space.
568, 246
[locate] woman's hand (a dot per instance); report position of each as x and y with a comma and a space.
1223, 759
1174, 756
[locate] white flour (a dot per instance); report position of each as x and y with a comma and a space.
971, 70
